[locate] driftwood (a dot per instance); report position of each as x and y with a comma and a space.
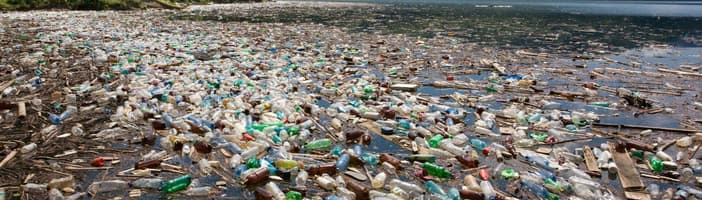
626, 169
9, 157
590, 161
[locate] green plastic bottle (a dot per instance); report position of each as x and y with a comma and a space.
637, 154
176, 184
293, 195
434, 141
539, 137
656, 164
292, 130
368, 89
253, 163
436, 170
549, 183
551, 196
508, 174
319, 144
260, 127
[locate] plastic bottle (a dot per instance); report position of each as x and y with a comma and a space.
536, 189
199, 191
422, 157
327, 168
656, 164
663, 156
434, 141
450, 147
343, 163
293, 195
686, 175
485, 131
326, 182
540, 162
471, 182
273, 188
435, 189
409, 187
176, 184
108, 186
286, 164
33, 188
460, 139
54, 194
478, 144
379, 180
60, 183
319, 144
436, 170
653, 190
301, 178
453, 194
488, 192
440, 153
147, 183
345, 193
370, 159
205, 167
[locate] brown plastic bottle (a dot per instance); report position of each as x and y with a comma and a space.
353, 135
472, 195
259, 176
328, 168
384, 157
467, 161
151, 164
361, 190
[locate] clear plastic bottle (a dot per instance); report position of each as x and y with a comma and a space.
409, 187
205, 166
345, 193
108, 186
55, 194
488, 191
275, 190
379, 180
326, 182
198, 191
450, 147
147, 183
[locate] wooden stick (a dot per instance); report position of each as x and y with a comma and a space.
647, 127
679, 72
86, 168
9, 157
660, 177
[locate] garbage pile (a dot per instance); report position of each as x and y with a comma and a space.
140, 107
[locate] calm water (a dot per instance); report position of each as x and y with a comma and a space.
545, 26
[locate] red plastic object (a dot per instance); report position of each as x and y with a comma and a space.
98, 162
248, 137
486, 151
484, 174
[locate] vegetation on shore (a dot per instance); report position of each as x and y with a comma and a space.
103, 4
